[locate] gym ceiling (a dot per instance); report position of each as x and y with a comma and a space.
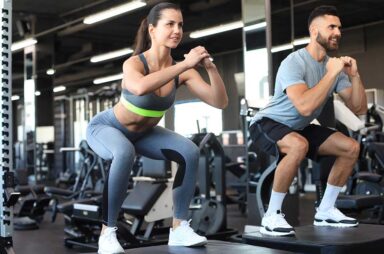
66, 44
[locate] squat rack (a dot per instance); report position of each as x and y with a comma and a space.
7, 195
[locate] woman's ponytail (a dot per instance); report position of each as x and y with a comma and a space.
142, 40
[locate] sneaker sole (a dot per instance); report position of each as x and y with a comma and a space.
274, 233
324, 223
188, 245
106, 252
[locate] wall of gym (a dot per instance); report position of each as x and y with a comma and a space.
366, 44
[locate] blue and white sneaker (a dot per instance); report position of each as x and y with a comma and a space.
274, 224
334, 218
184, 235
108, 243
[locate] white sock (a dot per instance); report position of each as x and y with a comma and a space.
275, 202
330, 196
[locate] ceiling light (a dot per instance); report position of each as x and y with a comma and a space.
301, 41
110, 55
50, 71
59, 89
23, 44
282, 48
108, 79
287, 46
120, 9
255, 26
37, 93
15, 97
216, 29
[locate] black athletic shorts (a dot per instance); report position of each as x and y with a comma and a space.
266, 132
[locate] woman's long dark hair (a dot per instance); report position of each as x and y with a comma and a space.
142, 40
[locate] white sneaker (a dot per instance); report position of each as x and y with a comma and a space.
334, 218
108, 243
274, 224
184, 235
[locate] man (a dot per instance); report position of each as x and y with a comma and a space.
304, 82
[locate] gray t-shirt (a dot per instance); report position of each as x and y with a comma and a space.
298, 67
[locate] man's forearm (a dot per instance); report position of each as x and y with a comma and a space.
315, 96
358, 101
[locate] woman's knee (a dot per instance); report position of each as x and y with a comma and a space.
186, 154
124, 153
100, 149
192, 153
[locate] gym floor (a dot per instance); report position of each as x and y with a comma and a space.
49, 238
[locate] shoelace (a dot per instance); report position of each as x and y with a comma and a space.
111, 233
280, 214
279, 220
186, 225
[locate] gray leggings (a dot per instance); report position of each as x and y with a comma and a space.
112, 141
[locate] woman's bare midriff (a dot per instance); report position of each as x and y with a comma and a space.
132, 121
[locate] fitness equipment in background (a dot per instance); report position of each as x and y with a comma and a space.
141, 221
71, 116
30, 209
88, 183
208, 210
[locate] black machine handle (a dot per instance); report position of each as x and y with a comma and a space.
11, 196
205, 140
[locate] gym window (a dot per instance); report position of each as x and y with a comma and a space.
192, 115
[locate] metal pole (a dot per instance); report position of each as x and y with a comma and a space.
268, 35
292, 5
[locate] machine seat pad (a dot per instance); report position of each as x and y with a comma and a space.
369, 177
26, 189
67, 207
142, 197
358, 202
57, 191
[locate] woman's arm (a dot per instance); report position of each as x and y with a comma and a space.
139, 84
214, 93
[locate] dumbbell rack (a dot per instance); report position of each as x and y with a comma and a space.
7, 196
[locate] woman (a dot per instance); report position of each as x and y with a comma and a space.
149, 83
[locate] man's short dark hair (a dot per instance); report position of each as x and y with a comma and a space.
321, 11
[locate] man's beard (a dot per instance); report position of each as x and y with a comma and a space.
326, 44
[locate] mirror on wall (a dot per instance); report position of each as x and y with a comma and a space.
267, 25
255, 53
29, 124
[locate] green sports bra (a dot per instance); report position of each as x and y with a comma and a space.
149, 105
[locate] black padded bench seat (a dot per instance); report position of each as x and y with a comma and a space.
358, 202
142, 197
213, 247
57, 191
26, 189
309, 239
